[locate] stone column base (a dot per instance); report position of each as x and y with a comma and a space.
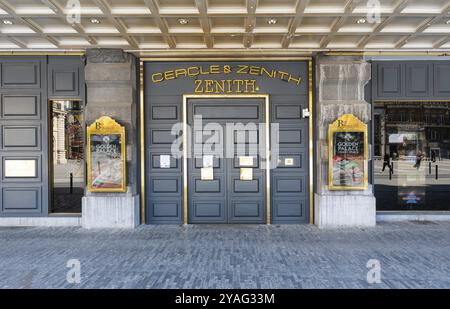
110, 211
345, 210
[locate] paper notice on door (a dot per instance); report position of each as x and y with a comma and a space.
207, 173
164, 161
289, 161
246, 161
246, 173
208, 161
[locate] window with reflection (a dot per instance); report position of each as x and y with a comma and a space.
68, 156
412, 155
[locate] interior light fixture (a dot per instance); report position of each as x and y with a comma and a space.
95, 21
361, 21
183, 21
272, 21
7, 22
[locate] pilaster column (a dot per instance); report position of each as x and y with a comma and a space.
341, 87
111, 84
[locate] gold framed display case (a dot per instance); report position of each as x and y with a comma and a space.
347, 154
106, 156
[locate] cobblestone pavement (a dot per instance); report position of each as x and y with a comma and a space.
412, 255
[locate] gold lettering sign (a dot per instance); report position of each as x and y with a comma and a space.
208, 84
225, 86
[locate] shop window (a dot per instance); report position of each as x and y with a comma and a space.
67, 151
412, 155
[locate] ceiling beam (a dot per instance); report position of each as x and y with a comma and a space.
153, 7
299, 11
106, 9
77, 27
202, 7
28, 22
337, 24
250, 23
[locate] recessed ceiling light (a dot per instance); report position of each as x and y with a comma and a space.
95, 21
183, 21
272, 21
7, 22
361, 21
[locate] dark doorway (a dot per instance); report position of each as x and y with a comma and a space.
67, 156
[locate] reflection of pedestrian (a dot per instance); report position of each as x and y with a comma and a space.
418, 160
387, 162
433, 156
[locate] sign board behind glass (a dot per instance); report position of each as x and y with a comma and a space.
347, 154
106, 156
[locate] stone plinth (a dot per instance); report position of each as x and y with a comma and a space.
111, 210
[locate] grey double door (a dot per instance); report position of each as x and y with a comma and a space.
225, 197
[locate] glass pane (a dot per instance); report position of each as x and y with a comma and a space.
68, 156
412, 155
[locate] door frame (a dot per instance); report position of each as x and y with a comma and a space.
51, 180
256, 57
186, 98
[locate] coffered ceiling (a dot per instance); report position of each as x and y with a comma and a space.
142, 25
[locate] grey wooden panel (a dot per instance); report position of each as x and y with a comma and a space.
20, 106
390, 80
162, 136
65, 82
233, 111
166, 185
291, 136
16, 74
246, 186
246, 209
418, 79
21, 136
166, 209
208, 209
164, 112
21, 199
207, 186
441, 79
289, 185
290, 209
66, 77
286, 111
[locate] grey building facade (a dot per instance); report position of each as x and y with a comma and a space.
404, 102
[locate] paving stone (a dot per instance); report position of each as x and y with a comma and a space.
412, 255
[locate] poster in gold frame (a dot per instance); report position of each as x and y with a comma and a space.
347, 154
106, 161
